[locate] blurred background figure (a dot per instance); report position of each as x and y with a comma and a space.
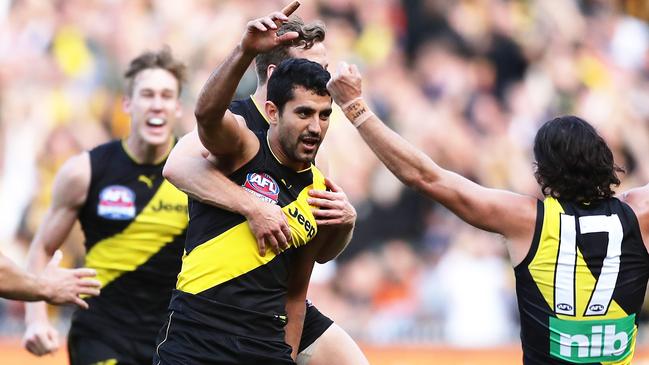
485, 72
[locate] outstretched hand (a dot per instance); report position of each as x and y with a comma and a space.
261, 33
67, 285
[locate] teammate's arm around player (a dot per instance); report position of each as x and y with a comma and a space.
510, 214
68, 194
190, 170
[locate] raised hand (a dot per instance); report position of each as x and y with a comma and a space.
346, 84
261, 33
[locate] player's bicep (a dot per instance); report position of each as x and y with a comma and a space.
225, 138
69, 193
186, 156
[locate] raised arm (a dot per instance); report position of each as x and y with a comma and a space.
217, 126
189, 169
68, 195
504, 212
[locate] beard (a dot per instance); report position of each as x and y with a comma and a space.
291, 147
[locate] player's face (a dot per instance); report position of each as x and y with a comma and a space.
303, 124
153, 105
317, 53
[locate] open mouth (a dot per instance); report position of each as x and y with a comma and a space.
310, 143
156, 122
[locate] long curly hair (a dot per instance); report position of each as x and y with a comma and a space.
573, 162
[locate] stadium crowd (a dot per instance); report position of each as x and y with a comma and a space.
468, 81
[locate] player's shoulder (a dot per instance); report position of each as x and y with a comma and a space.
73, 178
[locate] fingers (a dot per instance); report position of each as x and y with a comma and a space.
89, 291
287, 233
343, 68
290, 8
261, 245
257, 24
32, 348
38, 348
85, 273
332, 185
41, 343
353, 69
288, 36
90, 283
324, 203
80, 302
326, 214
269, 23
272, 241
325, 199
281, 239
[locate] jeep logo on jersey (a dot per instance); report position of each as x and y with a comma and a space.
605, 340
163, 206
116, 202
301, 219
263, 186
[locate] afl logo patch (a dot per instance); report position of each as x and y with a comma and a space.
116, 202
263, 186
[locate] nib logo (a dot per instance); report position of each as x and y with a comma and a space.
591, 341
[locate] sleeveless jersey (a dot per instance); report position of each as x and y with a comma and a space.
134, 223
581, 286
251, 112
224, 281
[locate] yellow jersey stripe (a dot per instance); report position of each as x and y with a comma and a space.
157, 225
234, 252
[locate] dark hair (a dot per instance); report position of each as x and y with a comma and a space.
308, 35
292, 73
573, 162
161, 59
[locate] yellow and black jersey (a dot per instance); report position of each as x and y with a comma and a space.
224, 281
252, 113
134, 222
582, 284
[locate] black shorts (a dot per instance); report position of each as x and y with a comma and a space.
184, 341
315, 324
85, 348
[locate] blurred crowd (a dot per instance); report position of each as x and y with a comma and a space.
467, 81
